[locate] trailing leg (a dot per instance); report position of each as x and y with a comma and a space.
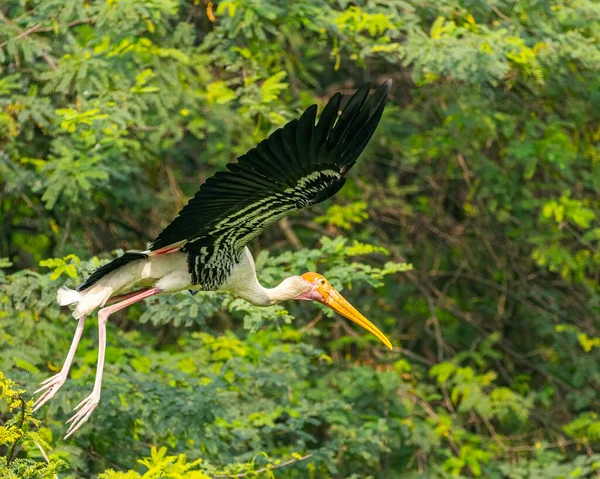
51, 385
86, 407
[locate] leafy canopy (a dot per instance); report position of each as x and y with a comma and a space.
483, 175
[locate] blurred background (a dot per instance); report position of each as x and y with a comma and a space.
469, 231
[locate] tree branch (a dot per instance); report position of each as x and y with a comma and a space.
38, 28
286, 228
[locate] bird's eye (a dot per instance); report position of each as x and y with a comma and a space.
322, 282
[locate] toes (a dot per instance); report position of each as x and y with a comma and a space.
76, 425
56, 381
43, 399
74, 420
81, 417
74, 417
49, 385
48, 390
48, 380
85, 401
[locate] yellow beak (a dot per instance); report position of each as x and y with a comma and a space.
338, 303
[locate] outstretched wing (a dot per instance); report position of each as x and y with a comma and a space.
297, 166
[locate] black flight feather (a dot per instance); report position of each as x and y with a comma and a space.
297, 166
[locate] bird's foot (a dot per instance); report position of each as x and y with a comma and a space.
49, 388
86, 407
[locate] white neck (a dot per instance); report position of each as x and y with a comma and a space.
257, 294
280, 293
244, 283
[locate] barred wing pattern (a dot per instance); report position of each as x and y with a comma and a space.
297, 166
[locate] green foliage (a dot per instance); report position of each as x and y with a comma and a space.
469, 232
161, 465
17, 436
60, 266
344, 216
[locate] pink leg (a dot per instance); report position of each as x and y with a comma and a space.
51, 385
123, 297
87, 406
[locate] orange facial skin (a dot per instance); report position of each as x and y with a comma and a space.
326, 294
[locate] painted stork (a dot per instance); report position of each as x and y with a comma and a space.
204, 248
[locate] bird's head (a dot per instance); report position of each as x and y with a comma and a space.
317, 288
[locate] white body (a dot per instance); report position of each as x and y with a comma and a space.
169, 272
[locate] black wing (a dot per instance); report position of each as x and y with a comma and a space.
297, 166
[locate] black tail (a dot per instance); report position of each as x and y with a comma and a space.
109, 267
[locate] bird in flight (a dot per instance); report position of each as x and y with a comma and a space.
204, 248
